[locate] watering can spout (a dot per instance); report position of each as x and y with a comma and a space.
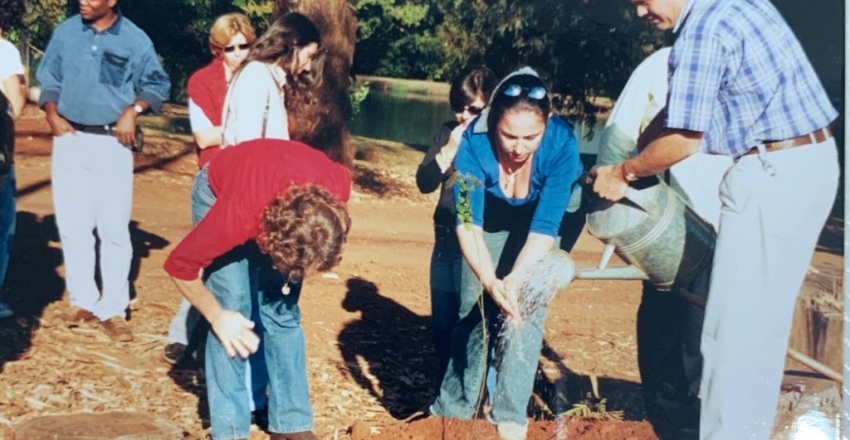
653, 229
607, 252
612, 273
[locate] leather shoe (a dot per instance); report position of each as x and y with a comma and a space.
174, 352
303, 435
77, 317
117, 329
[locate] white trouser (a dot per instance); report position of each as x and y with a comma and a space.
93, 189
774, 207
697, 179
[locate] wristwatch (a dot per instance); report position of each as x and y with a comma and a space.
629, 176
138, 108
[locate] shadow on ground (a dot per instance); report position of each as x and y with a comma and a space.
388, 352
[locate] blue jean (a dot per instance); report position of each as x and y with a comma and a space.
474, 336
230, 279
8, 198
446, 266
289, 394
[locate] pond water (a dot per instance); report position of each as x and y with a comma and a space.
413, 119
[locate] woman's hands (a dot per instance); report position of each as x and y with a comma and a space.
447, 152
504, 293
234, 331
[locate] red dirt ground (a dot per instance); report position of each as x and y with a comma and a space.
367, 325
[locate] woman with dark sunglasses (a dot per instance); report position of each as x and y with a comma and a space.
284, 62
468, 96
517, 166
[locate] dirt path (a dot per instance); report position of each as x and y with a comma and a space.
367, 326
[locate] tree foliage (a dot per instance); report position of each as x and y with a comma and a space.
398, 38
582, 48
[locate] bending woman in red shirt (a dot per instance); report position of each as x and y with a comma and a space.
282, 195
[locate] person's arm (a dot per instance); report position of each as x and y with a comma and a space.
233, 330
50, 76
563, 167
469, 198
152, 85
205, 133
667, 150
14, 93
222, 229
430, 172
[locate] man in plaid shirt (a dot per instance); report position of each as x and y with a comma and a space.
741, 86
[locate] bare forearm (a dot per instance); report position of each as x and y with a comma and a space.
668, 149
200, 298
14, 91
535, 247
210, 137
476, 253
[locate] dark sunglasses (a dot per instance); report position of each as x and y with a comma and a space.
230, 49
514, 90
473, 110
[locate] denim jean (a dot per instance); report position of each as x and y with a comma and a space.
474, 336
184, 324
8, 197
231, 280
446, 264
289, 394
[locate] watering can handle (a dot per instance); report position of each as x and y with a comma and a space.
638, 198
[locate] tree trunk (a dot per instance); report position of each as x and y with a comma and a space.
324, 125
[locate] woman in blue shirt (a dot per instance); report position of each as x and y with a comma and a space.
517, 166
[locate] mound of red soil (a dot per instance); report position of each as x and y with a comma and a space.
442, 429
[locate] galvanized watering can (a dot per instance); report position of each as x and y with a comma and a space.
654, 230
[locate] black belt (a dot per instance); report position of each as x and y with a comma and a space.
108, 129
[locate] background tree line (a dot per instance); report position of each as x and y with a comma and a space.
582, 48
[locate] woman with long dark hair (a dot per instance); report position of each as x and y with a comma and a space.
285, 61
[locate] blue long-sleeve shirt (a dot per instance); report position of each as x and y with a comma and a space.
555, 170
93, 76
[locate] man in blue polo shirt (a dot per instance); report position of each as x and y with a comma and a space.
740, 85
99, 72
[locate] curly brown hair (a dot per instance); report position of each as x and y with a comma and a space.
304, 228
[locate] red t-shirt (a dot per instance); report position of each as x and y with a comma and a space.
245, 178
207, 88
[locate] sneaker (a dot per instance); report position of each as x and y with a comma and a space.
117, 329
5, 311
174, 352
77, 317
260, 418
303, 435
511, 431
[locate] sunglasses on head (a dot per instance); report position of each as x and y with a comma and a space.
514, 90
230, 49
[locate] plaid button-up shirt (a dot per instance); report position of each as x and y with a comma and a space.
739, 76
